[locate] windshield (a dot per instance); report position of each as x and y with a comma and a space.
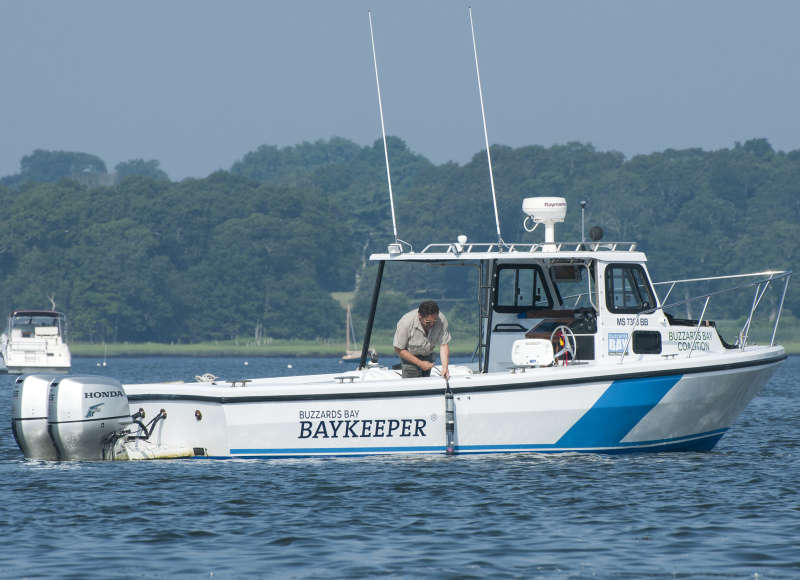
521, 288
28, 323
573, 284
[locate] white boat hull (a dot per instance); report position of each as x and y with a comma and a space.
679, 405
646, 405
26, 370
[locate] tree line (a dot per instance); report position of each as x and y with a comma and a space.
258, 249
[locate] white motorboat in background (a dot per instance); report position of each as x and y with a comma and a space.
35, 341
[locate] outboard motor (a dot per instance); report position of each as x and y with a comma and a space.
29, 417
83, 412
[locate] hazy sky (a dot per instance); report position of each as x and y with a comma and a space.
198, 84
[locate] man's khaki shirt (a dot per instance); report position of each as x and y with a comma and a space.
410, 334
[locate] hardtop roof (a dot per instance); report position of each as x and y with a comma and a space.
51, 313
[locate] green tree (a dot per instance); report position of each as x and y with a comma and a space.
140, 168
42, 165
261, 247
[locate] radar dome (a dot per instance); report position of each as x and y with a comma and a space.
544, 210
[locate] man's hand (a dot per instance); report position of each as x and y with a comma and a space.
405, 355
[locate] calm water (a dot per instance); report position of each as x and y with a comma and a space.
730, 513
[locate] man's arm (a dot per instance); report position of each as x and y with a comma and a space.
404, 354
444, 354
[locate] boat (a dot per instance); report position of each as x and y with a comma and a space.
35, 341
349, 354
577, 351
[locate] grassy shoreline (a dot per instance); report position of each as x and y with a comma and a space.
275, 349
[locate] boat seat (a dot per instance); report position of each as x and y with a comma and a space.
45, 331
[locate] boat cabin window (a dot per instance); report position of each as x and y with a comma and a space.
33, 321
573, 283
520, 288
27, 324
627, 289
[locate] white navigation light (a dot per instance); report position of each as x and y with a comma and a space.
544, 210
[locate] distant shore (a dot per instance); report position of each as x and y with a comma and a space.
224, 348
274, 348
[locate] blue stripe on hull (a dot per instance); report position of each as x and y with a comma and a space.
698, 442
299, 451
617, 411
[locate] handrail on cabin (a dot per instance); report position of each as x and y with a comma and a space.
761, 287
527, 248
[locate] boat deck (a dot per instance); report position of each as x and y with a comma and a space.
384, 381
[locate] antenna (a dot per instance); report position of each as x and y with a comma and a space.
583, 209
485, 132
383, 128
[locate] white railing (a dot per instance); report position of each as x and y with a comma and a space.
763, 283
473, 248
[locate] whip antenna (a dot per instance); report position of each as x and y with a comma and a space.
383, 128
485, 132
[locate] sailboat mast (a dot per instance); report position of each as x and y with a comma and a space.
347, 332
485, 132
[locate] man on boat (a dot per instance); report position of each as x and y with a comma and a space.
418, 333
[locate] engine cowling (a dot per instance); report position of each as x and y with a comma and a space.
29, 417
83, 412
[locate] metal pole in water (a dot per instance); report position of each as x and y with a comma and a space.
383, 128
485, 132
449, 419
